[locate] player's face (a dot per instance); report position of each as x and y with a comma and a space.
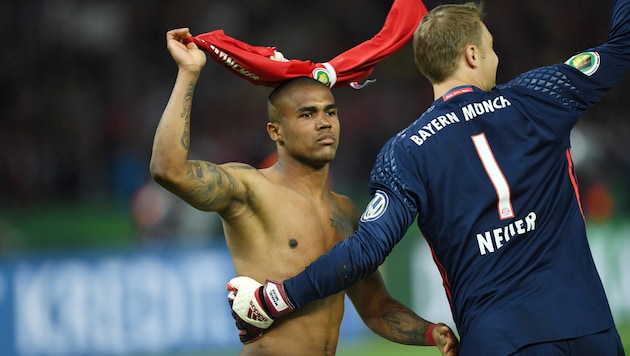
490, 61
310, 128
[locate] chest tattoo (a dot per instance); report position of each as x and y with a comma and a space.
340, 223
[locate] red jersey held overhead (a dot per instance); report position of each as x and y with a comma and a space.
267, 66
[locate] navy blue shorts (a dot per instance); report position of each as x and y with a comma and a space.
605, 343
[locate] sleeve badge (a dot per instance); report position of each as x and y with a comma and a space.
587, 62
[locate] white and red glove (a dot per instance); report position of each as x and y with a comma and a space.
246, 332
254, 306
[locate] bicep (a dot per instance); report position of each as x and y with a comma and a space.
211, 187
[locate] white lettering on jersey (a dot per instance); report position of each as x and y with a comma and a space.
433, 127
492, 240
469, 111
473, 110
376, 207
501, 186
232, 63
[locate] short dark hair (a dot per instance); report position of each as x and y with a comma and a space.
284, 87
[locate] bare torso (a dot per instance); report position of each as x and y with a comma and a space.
281, 230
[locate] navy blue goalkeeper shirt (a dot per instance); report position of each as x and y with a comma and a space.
488, 177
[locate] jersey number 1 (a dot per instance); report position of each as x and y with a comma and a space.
501, 187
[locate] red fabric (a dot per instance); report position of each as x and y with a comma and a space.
255, 63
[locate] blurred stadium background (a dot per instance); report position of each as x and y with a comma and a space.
96, 259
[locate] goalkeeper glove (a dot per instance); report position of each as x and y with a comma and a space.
255, 306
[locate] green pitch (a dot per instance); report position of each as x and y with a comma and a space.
381, 347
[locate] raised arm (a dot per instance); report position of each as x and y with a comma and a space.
204, 185
392, 320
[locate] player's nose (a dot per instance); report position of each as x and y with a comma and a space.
323, 121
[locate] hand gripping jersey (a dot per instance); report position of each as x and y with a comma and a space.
489, 178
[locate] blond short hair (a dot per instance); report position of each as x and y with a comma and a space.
442, 36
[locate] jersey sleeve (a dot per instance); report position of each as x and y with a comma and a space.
383, 223
600, 68
556, 96
582, 80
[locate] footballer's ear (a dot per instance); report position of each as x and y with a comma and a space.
273, 129
472, 56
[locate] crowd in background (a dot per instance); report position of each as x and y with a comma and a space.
85, 82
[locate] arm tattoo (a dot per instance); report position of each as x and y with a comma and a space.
212, 185
405, 327
185, 114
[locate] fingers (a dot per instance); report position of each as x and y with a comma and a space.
247, 332
448, 342
238, 282
178, 34
234, 284
181, 38
181, 46
232, 293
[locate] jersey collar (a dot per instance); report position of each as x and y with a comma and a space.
464, 89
